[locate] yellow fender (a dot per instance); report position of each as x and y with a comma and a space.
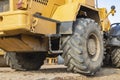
67, 12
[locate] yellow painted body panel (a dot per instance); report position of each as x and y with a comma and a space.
105, 23
14, 20
69, 11
45, 8
2, 52
66, 12
87, 2
44, 27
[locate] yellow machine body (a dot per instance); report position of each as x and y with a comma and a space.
2, 52
20, 21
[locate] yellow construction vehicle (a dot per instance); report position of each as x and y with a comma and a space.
30, 30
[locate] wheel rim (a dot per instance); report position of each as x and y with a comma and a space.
93, 47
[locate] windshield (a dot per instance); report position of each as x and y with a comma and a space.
4, 5
115, 25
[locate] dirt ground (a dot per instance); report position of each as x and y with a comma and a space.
56, 72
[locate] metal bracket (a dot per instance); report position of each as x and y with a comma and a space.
54, 51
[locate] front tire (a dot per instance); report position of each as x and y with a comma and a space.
83, 51
25, 61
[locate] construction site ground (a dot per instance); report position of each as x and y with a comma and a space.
57, 72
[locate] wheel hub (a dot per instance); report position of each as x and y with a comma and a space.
93, 47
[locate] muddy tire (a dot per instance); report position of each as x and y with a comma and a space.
83, 51
25, 61
115, 57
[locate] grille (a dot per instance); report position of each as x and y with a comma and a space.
44, 2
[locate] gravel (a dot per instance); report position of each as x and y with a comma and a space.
57, 72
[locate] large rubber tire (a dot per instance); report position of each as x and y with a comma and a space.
77, 56
115, 57
25, 61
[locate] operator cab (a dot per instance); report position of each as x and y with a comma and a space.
115, 29
114, 35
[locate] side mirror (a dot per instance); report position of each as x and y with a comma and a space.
113, 7
112, 11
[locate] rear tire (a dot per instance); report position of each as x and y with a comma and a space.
115, 57
25, 61
83, 51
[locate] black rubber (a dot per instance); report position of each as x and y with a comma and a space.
74, 48
25, 61
115, 57
107, 60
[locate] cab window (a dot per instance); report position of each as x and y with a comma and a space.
4, 5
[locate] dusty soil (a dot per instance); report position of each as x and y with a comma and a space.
57, 72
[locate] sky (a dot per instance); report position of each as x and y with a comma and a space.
107, 4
